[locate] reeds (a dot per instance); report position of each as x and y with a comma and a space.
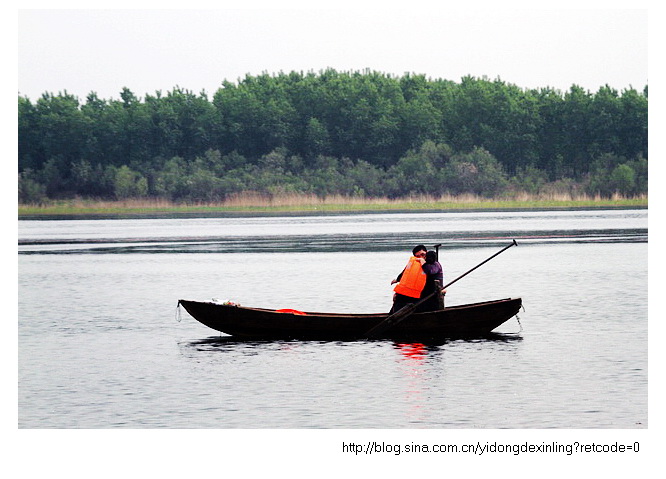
253, 202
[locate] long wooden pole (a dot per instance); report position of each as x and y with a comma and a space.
405, 312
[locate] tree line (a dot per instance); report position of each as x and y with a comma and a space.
346, 133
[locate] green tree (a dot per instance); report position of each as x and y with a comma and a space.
623, 179
604, 119
529, 179
367, 180
575, 119
171, 180
633, 125
29, 152
610, 174
640, 167
129, 183
30, 191
476, 172
61, 129
316, 139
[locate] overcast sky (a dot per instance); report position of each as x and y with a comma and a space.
81, 51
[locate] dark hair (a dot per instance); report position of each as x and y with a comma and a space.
431, 257
419, 248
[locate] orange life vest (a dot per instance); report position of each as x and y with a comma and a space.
413, 279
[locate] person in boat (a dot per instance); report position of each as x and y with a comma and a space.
410, 281
433, 283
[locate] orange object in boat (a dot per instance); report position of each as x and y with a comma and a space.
292, 311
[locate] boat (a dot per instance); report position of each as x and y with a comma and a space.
468, 320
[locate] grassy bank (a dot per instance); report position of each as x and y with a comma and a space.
253, 204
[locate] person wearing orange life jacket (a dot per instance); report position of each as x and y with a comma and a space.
410, 281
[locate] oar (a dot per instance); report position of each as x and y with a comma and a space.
403, 313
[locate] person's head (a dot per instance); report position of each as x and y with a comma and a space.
419, 251
430, 257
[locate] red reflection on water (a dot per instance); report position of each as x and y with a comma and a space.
413, 356
413, 351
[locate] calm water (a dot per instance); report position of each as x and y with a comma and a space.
101, 344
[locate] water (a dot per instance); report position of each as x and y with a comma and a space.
100, 344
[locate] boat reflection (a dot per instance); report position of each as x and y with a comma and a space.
232, 343
420, 348
410, 350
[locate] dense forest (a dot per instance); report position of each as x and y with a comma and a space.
363, 134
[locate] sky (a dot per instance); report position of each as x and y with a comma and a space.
147, 50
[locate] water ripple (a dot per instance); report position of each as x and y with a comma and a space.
328, 242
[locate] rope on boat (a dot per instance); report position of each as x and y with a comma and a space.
519, 324
518, 319
178, 314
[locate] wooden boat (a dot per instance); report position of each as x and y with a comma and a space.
469, 320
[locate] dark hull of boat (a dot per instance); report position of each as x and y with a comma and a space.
470, 320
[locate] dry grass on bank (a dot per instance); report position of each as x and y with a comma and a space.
249, 202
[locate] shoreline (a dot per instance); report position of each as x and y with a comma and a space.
155, 208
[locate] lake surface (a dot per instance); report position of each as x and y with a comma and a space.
101, 343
